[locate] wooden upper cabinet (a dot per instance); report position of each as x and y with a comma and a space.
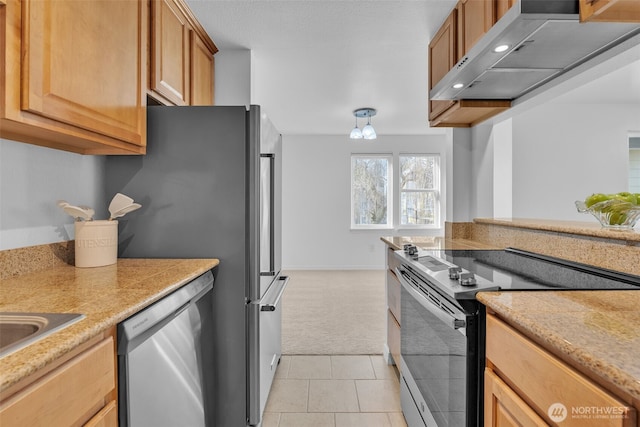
610, 10
442, 49
476, 17
181, 66
73, 75
202, 69
464, 27
501, 7
443, 55
170, 52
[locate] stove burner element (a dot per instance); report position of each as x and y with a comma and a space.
454, 273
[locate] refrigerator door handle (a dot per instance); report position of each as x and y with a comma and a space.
272, 298
267, 224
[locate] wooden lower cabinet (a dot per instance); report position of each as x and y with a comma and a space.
525, 385
107, 417
503, 406
79, 391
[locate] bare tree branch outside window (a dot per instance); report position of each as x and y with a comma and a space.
370, 190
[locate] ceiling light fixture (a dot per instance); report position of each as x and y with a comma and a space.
367, 132
356, 133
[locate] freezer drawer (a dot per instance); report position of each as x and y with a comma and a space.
266, 318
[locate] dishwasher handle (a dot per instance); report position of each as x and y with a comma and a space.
273, 296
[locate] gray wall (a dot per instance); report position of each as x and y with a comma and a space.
32, 179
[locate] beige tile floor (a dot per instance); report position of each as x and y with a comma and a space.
334, 391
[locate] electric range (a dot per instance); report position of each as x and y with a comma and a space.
442, 334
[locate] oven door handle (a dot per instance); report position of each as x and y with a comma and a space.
448, 319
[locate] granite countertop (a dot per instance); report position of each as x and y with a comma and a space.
594, 331
582, 228
434, 242
105, 295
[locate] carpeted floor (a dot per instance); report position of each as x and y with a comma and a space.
334, 312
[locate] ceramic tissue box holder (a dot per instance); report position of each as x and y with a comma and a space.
96, 243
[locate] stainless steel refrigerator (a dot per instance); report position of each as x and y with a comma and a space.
209, 186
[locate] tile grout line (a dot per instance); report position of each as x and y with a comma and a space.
355, 385
308, 395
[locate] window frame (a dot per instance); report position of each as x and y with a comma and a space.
394, 198
437, 191
390, 191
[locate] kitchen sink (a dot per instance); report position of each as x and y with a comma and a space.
18, 330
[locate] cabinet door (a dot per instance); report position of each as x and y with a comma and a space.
69, 395
501, 7
477, 17
442, 50
82, 65
504, 408
610, 10
442, 57
107, 417
170, 52
544, 380
202, 67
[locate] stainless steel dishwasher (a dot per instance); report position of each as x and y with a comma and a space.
165, 360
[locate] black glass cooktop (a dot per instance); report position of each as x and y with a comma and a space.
512, 269
525, 270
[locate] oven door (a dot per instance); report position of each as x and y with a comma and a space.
440, 361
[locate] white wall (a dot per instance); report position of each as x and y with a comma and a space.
316, 200
233, 77
459, 175
565, 152
479, 172
32, 179
538, 163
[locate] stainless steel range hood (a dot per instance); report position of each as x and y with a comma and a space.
545, 39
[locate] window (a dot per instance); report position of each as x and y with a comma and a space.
379, 195
419, 190
370, 191
634, 164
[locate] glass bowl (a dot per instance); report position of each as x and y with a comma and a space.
613, 214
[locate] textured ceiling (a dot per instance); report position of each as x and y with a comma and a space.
315, 61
